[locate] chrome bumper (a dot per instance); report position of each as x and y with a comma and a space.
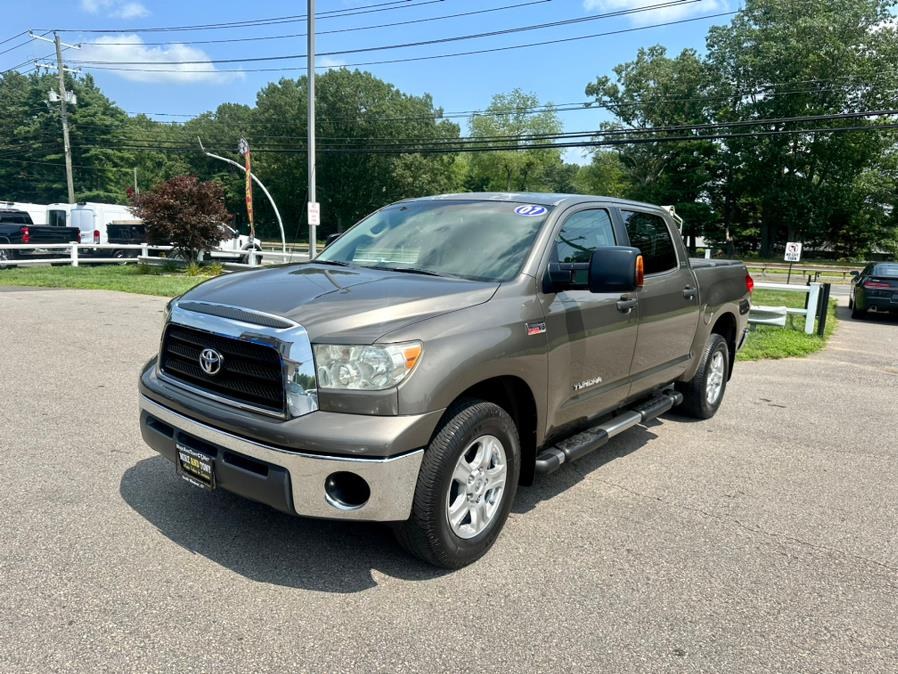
392, 480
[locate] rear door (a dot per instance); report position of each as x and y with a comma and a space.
668, 302
83, 219
590, 339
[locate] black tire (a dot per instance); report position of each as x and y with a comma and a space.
856, 313
696, 401
245, 258
427, 534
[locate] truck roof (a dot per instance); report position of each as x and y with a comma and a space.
540, 198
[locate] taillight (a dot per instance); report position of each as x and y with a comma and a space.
26, 235
749, 283
876, 284
97, 236
640, 271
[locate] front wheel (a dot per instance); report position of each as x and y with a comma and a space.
703, 393
465, 488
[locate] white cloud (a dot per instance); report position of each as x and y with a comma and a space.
132, 10
126, 48
669, 13
119, 9
329, 62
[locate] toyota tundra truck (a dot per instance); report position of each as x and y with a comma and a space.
438, 354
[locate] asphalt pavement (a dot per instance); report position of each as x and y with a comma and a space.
764, 539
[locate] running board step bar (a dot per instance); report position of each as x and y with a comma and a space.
578, 446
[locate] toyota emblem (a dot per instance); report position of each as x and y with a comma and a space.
210, 361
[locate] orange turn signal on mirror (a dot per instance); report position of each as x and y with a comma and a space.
640, 272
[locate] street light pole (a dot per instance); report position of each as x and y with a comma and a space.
310, 76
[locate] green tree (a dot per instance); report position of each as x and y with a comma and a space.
510, 120
605, 175
653, 91
803, 57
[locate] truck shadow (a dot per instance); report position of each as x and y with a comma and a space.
546, 487
263, 544
268, 546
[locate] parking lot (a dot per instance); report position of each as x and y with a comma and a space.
763, 539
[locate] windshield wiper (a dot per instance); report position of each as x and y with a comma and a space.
407, 270
336, 263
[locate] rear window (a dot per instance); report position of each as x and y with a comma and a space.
15, 218
57, 218
885, 270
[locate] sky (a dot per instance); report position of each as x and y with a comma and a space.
556, 73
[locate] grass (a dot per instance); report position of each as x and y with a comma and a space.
766, 341
132, 278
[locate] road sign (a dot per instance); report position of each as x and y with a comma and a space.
793, 251
314, 213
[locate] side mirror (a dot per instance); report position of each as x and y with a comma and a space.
854, 273
616, 269
331, 238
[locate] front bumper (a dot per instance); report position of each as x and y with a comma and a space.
288, 480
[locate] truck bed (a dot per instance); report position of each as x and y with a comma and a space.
719, 280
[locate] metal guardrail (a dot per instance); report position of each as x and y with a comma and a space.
818, 298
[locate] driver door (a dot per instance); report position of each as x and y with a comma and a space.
590, 339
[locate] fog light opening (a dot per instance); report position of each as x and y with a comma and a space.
346, 491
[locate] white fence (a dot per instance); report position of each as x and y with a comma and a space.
765, 315
69, 254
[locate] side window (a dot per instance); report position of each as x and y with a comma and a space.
651, 235
580, 235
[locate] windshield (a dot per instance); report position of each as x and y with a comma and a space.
478, 240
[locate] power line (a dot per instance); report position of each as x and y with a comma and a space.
251, 23
418, 43
324, 32
13, 37
21, 44
122, 130
428, 143
423, 58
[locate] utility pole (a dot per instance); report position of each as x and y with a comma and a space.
313, 209
136, 188
64, 116
63, 111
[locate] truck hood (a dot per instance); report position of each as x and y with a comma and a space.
348, 305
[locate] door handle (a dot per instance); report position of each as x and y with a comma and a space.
689, 292
626, 304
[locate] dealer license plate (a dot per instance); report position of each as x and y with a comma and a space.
195, 467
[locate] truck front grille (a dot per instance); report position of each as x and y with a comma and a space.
250, 373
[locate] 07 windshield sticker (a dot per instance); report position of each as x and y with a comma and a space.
530, 210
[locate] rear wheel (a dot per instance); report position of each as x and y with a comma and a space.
703, 393
465, 488
855, 312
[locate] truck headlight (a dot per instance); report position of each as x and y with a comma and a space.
365, 368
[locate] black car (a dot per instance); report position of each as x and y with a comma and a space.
876, 287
